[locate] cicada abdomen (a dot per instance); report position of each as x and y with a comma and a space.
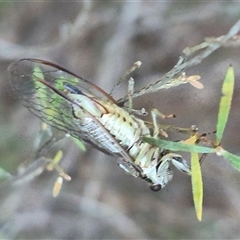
66, 101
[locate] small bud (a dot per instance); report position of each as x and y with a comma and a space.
57, 186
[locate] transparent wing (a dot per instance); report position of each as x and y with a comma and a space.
43, 87
54, 74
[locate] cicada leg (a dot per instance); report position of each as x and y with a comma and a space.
177, 160
130, 93
164, 169
129, 168
141, 112
202, 138
129, 108
156, 130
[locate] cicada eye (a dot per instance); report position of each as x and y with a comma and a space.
156, 187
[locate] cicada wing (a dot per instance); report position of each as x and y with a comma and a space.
40, 99
56, 75
42, 86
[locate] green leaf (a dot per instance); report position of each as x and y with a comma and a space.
58, 156
178, 146
225, 103
4, 174
233, 159
197, 185
80, 144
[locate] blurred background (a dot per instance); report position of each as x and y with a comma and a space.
99, 41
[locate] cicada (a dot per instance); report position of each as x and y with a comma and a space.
80, 108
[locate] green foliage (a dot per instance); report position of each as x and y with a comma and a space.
4, 175
178, 146
225, 103
224, 109
197, 184
79, 143
233, 159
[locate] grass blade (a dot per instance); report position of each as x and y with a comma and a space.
197, 185
178, 146
4, 174
225, 103
80, 144
233, 159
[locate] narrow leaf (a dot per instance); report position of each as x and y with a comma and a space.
57, 186
58, 156
4, 174
233, 159
225, 103
197, 185
80, 144
178, 146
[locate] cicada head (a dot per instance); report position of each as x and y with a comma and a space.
162, 173
159, 174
